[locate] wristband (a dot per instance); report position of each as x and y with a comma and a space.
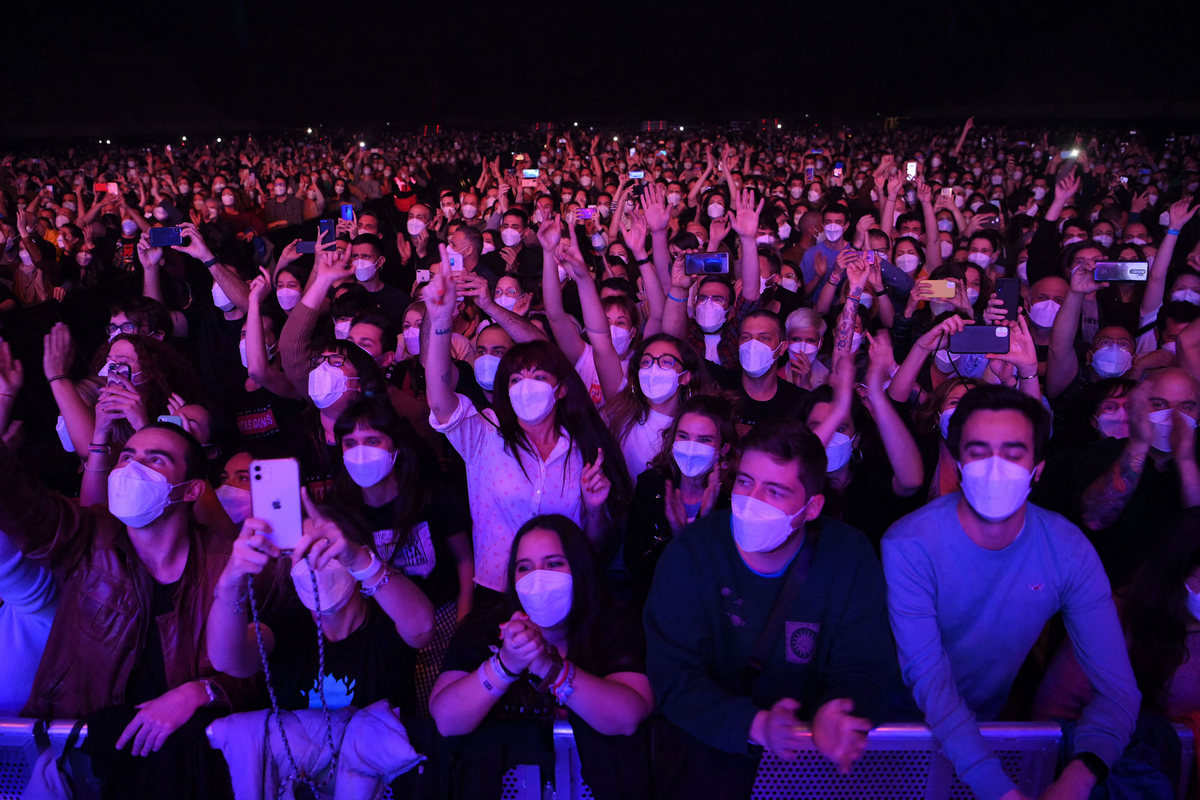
369, 591
442, 331
1170, 232
1027, 377
566, 684
208, 264
368, 571
676, 299
501, 669
212, 693
552, 675
493, 688
54, 378
641, 261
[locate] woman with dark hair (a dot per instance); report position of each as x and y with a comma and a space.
562, 643
419, 526
687, 479
541, 448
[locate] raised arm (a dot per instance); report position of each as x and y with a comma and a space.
908, 473
230, 636
258, 360
635, 239
565, 333
1104, 500
608, 363
905, 379
1062, 363
1179, 215
439, 297
962, 137
236, 289
658, 220
744, 220
515, 325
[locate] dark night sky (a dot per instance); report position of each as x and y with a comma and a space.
123, 69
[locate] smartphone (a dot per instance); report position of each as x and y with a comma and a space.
632, 152
518, 158
706, 264
115, 369
173, 419
1065, 154
1009, 292
327, 230
948, 193
585, 213
275, 498
637, 174
980, 339
942, 289
838, 167
910, 171
456, 262
1125, 181
424, 276
104, 188
306, 248
348, 212
1122, 270
868, 255
166, 237
819, 151
809, 173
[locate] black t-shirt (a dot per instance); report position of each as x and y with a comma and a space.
372, 663
261, 415
304, 440
869, 502
391, 301
423, 553
784, 404
148, 679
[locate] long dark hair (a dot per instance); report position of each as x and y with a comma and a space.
719, 409
631, 407
413, 482
588, 596
1156, 612
575, 412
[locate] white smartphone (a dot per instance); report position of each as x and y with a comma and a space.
456, 262
424, 276
275, 498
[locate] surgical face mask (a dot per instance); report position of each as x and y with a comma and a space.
1113, 424
981, 260
288, 298
709, 316
504, 301
341, 329
546, 596
972, 296
488, 247
69, 205
367, 465
61, 220
280, 191
944, 421
813, 196
415, 226
228, 200
220, 299
796, 191
1162, 421
485, 371
469, 211
1103, 239
785, 231
673, 198
364, 269
791, 284
693, 458
837, 452
585, 181
806, 349
946, 249
137, 495
756, 358
1023, 271
997, 180
833, 231
532, 400
128, 227
945, 225
159, 213
604, 209
335, 586
412, 340
939, 307
235, 501
1186, 296
1039, 192
1043, 312
621, 337
510, 237
658, 383
908, 262
716, 210
995, 487
326, 384
599, 242
975, 206
1110, 361
758, 526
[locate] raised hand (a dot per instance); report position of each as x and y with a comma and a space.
549, 233
1066, 188
12, 374
58, 351
745, 213
1180, 212
594, 484
654, 207
150, 257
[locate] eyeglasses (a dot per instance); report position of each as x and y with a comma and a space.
666, 361
1124, 344
124, 327
333, 359
508, 293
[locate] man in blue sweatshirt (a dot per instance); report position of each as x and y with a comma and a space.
828, 659
974, 576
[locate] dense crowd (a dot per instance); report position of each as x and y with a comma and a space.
702, 441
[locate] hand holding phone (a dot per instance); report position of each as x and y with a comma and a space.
275, 499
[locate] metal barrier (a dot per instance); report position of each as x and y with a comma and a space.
901, 762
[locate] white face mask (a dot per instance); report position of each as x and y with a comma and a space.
532, 400
908, 262
288, 298
137, 495
946, 249
945, 225
981, 260
693, 458
758, 526
235, 501
944, 422
364, 269
658, 383
585, 181
785, 231
504, 301
415, 226
485, 371
335, 586
1186, 296
834, 231
341, 329
709, 316
972, 296
228, 200
813, 196
1163, 421
1039, 192
1113, 424
1103, 239
673, 198
510, 237
790, 284
796, 191
599, 242
1043, 312
1111, 361
806, 349
756, 358
129, 227
220, 299
716, 210
367, 465
621, 337
1023, 271
837, 452
412, 340
469, 211
995, 487
326, 384
546, 596
488, 247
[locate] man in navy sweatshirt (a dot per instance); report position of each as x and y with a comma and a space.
972, 579
828, 661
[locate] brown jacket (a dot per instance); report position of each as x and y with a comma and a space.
105, 599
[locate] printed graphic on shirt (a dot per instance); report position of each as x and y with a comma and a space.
801, 641
257, 423
735, 618
339, 692
415, 557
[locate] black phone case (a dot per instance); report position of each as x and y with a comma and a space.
979, 339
